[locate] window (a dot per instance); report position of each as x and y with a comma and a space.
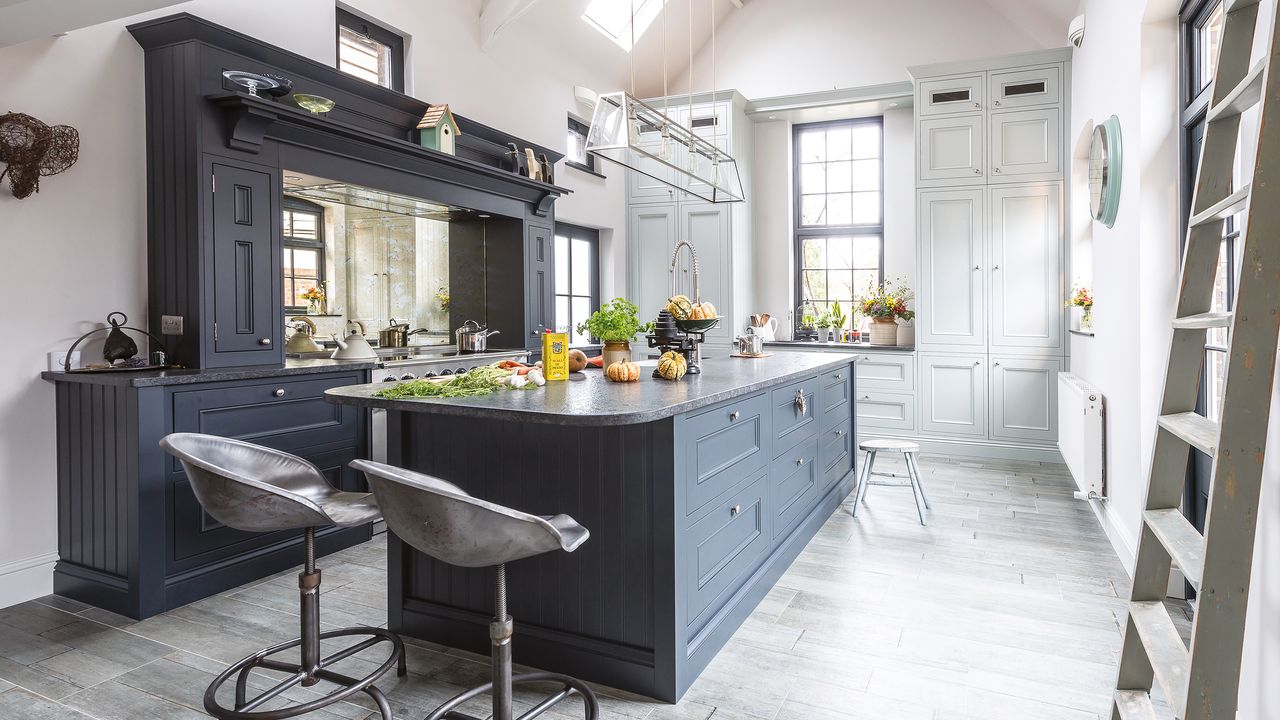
577, 278
839, 224
576, 154
303, 251
370, 52
613, 18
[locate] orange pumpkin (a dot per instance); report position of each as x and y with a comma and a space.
623, 371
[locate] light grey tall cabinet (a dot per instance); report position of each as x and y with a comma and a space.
992, 257
659, 216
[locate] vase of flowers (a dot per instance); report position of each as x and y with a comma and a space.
315, 300
615, 325
885, 304
1081, 304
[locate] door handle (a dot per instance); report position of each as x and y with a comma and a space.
802, 405
264, 341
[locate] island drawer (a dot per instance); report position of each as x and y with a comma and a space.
725, 546
886, 411
834, 390
724, 445
835, 454
284, 414
893, 371
794, 420
793, 482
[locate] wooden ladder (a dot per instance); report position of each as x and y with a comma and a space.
1202, 683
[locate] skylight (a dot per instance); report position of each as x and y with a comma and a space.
613, 18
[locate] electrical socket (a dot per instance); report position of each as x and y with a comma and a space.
170, 324
57, 360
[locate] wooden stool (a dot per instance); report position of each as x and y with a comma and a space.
908, 450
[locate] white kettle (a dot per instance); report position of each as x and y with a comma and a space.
355, 347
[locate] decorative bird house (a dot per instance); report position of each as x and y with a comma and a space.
437, 129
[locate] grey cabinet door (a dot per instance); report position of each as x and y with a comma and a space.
953, 274
706, 225
651, 237
953, 395
539, 287
1026, 267
1024, 398
952, 151
247, 303
1026, 145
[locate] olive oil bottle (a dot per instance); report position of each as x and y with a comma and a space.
555, 355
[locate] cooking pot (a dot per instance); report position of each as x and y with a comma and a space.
395, 336
473, 338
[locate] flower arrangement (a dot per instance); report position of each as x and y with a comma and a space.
1081, 297
887, 301
315, 300
442, 295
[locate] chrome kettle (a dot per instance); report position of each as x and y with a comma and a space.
300, 341
354, 347
473, 338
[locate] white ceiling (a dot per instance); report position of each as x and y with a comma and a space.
23, 20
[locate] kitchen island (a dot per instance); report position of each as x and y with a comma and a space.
698, 495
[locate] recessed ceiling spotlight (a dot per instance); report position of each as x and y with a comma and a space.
773, 117
293, 177
893, 104
483, 216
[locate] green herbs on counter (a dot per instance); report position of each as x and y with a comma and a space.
479, 381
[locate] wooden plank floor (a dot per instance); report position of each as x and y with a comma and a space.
1008, 605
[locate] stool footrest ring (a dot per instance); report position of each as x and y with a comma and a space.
569, 687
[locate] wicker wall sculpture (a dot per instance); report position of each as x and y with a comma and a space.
31, 149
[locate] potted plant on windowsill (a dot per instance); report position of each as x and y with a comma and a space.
884, 304
615, 324
1082, 298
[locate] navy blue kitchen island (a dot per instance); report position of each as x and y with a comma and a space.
698, 495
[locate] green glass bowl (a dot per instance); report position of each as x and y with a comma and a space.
314, 103
697, 325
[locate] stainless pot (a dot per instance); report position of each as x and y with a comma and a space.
473, 338
751, 344
395, 336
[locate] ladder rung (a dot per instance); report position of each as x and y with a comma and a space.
1135, 705
1240, 4
1203, 321
1243, 96
1194, 428
1184, 543
1230, 205
1168, 656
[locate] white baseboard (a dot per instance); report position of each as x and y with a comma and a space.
1123, 545
27, 579
967, 448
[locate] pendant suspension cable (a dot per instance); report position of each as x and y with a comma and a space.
665, 101
715, 114
633, 47
691, 70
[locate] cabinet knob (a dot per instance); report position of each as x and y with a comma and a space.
995, 267
995, 364
734, 415
839, 433
799, 461
978, 105
278, 392
977, 267
977, 171
996, 171
839, 376
866, 397
733, 511
976, 364
264, 341
996, 103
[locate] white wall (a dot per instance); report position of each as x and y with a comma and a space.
77, 248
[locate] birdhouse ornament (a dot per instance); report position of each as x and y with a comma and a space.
437, 129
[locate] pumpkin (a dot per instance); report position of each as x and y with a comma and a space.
577, 360
672, 365
698, 313
680, 307
623, 371
709, 311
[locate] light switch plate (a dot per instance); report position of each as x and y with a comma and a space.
170, 324
57, 360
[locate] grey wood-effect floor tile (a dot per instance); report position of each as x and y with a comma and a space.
35, 680
81, 668
18, 703
115, 701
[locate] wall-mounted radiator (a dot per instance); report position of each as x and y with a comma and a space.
1082, 435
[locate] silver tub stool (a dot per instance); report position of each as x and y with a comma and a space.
257, 489
443, 521
908, 449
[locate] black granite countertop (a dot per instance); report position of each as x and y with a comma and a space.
152, 378
838, 347
588, 399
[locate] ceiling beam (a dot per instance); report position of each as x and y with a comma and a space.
497, 15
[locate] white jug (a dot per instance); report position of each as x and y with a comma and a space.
767, 332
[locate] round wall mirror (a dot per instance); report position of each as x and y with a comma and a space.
1105, 166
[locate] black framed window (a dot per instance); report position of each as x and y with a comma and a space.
839, 210
303, 231
369, 51
576, 154
577, 278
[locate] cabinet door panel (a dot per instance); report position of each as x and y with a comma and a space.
1026, 145
953, 395
887, 371
1026, 283
652, 237
653, 182
951, 151
1024, 398
952, 283
706, 225
947, 96
246, 262
1026, 88
539, 289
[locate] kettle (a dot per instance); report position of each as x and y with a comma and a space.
354, 347
301, 340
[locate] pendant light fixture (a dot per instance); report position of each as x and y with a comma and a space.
643, 138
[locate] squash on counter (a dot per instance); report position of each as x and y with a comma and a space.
680, 307
577, 360
623, 371
672, 365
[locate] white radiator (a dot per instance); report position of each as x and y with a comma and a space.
1082, 436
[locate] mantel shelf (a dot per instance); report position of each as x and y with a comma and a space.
250, 119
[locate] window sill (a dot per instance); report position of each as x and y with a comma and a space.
584, 168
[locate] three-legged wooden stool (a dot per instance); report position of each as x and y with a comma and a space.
908, 449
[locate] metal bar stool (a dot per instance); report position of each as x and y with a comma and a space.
257, 489
908, 449
443, 521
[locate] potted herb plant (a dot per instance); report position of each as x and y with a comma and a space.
837, 322
884, 304
615, 324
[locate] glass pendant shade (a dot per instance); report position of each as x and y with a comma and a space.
637, 136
